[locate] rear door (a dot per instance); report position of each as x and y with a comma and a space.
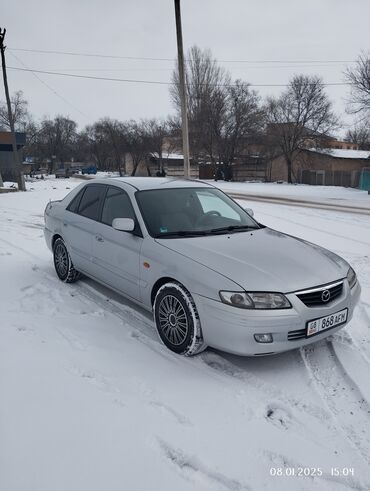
79, 225
116, 253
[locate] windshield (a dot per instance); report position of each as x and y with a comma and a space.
185, 212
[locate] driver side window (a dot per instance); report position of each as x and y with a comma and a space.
117, 204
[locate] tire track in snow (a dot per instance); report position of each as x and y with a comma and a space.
190, 467
363, 345
340, 393
228, 369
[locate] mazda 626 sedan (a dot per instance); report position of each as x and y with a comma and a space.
211, 274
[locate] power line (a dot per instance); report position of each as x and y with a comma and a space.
147, 58
169, 69
153, 82
46, 85
70, 53
92, 77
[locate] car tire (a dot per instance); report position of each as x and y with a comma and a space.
63, 263
177, 320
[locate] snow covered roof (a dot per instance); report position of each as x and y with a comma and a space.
342, 153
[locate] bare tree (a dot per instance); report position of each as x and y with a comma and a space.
360, 134
93, 146
20, 113
156, 134
205, 84
301, 116
115, 133
137, 144
32, 130
55, 140
222, 114
242, 119
359, 78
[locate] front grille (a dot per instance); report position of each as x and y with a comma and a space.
298, 334
315, 296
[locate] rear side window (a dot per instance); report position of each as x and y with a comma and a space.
91, 200
117, 204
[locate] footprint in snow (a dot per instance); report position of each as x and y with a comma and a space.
180, 418
21, 328
279, 416
101, 383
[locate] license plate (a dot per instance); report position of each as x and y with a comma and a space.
323, 323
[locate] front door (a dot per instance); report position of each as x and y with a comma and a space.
116, 253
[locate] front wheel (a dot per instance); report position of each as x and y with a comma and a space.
177, 320
63, 263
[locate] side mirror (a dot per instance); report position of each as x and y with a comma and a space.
123, 224
249, 211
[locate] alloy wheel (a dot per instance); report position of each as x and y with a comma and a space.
173, 320
61, 259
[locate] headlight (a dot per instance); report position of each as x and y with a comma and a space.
351, 277
256, 300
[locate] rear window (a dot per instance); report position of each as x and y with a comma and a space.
91, 200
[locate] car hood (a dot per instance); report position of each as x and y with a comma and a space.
263, 259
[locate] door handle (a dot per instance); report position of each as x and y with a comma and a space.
65, 224
99, 238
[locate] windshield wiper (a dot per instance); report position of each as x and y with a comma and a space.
231, 228
182, 233
199, 233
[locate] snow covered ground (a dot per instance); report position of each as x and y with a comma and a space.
91, 400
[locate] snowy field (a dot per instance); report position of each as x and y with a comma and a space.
92, 401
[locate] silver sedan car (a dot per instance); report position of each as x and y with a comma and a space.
211, 274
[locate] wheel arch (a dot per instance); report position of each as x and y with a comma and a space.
55, 237
162, 281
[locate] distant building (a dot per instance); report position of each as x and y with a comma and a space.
6, 154
327, 166
340, 144
340, 163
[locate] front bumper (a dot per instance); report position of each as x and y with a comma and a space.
231, 329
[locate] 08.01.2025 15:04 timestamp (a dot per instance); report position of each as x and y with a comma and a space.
311, 471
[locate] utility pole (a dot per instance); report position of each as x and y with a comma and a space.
17, 162
184, 113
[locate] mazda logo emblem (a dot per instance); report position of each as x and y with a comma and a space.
325, 296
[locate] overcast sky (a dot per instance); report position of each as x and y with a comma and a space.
284, 30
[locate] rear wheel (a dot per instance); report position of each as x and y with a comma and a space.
63, 264
177, 320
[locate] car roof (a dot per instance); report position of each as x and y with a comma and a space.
144, 183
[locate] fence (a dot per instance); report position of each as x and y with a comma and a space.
365, 179
331, 178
